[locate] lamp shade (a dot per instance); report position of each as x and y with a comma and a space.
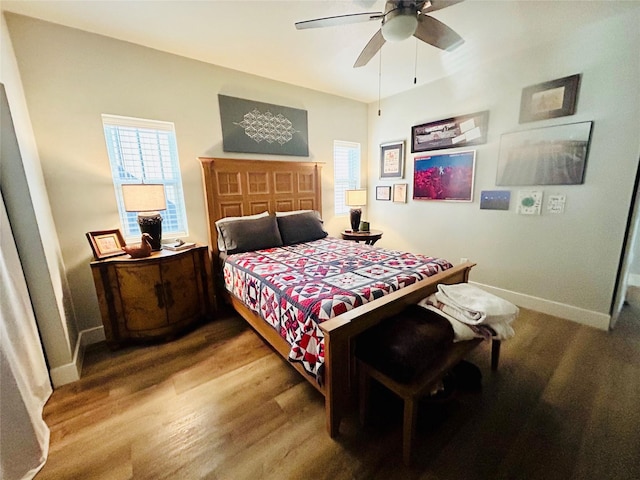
144, 197
355, 198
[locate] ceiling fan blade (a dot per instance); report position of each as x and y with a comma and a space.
338, 20
436, 33
374, 45
438, 5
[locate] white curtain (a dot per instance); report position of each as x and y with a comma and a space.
24, 379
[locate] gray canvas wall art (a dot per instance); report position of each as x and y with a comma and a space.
256, 127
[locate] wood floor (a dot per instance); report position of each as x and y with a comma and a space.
220, 404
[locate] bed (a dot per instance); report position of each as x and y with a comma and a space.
241, 188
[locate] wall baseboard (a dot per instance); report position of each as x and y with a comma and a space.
590, 318
71, 371
92, 335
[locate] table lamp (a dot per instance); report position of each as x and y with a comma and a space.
146, 199
355, 199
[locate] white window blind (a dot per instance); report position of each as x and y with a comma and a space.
145, 151
346, 172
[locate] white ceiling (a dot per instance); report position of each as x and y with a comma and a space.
259, 36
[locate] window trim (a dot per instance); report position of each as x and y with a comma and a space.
173, 183
354, 175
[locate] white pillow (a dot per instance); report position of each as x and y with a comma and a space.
221, 244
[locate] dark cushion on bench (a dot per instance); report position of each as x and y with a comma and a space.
404, 346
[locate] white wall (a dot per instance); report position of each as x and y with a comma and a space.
563, 264
71, 77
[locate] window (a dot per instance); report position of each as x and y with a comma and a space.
145, 151
346, 172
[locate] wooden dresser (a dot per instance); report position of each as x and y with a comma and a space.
153, 298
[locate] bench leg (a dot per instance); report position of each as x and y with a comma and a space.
408, 431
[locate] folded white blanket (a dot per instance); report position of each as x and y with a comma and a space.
474, 306
473, 312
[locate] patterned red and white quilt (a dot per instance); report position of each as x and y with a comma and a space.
297, 287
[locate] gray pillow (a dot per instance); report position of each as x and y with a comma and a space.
247, 235
301, 227
221, 246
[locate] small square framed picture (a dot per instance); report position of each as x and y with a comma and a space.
106, 243
383, 192
400, 192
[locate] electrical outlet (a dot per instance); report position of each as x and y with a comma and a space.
464, 259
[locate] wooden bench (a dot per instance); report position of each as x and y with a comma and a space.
380, 357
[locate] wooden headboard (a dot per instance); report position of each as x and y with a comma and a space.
236, 187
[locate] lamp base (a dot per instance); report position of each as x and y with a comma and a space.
151, 223
354, 216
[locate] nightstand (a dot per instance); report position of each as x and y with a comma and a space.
153, 298
370, 237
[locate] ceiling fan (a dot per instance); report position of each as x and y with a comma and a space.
400, 20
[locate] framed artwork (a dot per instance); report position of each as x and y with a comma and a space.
529, 202
106, 243
554, 155
556, 202
392, 160
495, 199
462, 131
556, 98
256, 127
400, 192
444, 176
383, 192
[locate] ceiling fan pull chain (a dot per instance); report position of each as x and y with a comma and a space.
379, 80
415, 68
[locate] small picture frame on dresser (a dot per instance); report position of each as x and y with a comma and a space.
106, 243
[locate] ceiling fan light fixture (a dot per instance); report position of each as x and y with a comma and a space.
399, 26
401, 19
